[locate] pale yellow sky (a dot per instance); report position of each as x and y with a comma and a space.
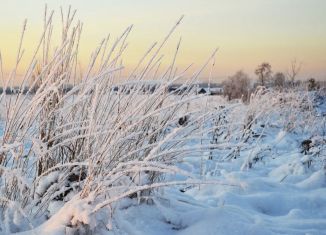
247, 32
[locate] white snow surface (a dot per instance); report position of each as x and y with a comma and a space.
260, 205
278, 194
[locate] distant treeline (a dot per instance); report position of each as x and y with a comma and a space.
241, 86
200, 88
26, 90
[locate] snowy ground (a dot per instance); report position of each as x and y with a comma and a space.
278, 196
271, 186
133, 158
284, 192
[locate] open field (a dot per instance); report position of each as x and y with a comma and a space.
226, 164
135, 157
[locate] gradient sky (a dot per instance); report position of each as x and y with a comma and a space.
247, 32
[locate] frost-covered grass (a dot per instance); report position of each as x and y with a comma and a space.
281, 189
146, 161
94, 145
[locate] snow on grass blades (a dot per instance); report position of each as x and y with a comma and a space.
72, 158
96, 143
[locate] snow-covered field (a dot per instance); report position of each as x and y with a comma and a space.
280, 194
244, 170
132, 157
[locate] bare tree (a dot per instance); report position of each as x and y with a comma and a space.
237, 86
279, 80
294, 71
263, 72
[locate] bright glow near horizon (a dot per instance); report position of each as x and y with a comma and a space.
247, 32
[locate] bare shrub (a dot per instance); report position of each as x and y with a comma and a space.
279, 80
237, 86
312, 84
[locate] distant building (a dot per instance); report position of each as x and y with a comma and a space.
202, 88
202, 91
